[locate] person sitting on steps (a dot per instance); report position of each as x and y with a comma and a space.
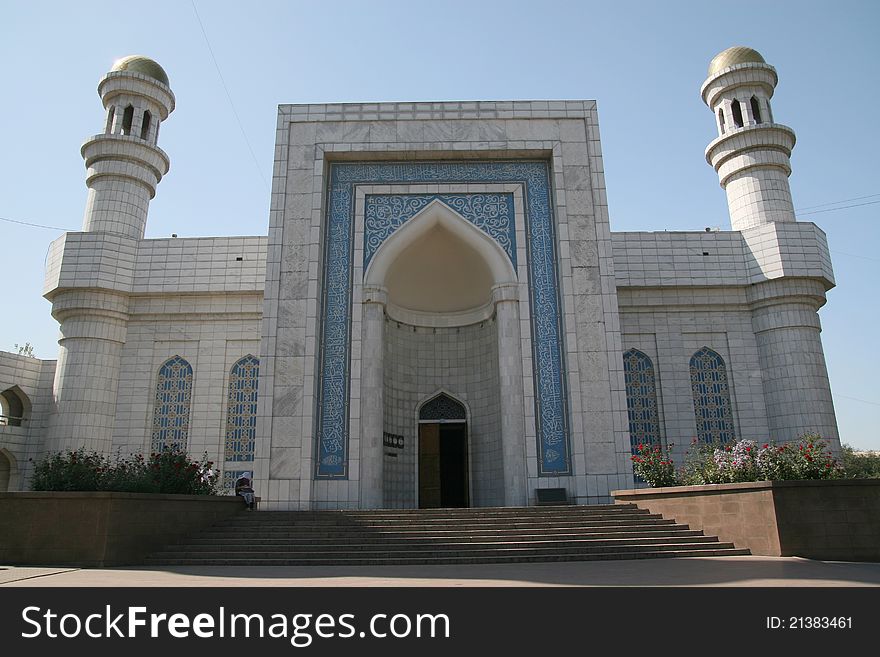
244, 487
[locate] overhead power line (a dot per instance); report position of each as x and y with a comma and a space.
864, 401
28, 223
842, 207
845, 200
854, 255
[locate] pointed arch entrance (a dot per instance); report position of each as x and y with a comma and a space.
441, 312
443, 455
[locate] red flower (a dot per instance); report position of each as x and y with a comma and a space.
766, 445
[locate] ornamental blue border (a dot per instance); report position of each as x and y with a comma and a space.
494, 214
550, 385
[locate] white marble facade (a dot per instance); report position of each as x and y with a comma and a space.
425, 249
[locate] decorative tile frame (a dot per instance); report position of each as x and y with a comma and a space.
551, 411
492, 213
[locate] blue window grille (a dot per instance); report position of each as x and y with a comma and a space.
712, 407
641, 399
173, 401
241, 409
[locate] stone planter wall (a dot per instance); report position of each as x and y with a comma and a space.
832, 520
101, 529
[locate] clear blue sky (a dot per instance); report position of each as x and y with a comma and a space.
642, 61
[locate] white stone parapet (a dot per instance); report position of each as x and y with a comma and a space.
721, 258
121, 86
746, 78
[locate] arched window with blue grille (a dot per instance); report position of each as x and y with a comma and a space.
712, 407
241, 409
641, 399
173, 401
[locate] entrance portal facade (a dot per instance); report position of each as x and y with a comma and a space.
441, 266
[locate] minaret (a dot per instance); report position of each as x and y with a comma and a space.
89, 273
124, 163
751, 153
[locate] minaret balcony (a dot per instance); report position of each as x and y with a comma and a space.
763, 144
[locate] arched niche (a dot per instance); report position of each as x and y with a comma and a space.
439, 264
14, 406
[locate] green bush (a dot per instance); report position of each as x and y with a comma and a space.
860, 466
170, 471
176, 473
77, 470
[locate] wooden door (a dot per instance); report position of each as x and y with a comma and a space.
429, 466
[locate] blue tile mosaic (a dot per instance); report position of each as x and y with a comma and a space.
172, 405
241, 409
494, 214
712, 407
550, 385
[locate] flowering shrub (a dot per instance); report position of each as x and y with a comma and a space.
744, 460
806, 459
654, 465
164, 472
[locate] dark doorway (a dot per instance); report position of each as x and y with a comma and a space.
443, 465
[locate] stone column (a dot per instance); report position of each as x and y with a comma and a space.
796, 388
93, 329
372, 398
510, 376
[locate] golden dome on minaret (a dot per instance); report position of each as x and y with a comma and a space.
732, 57
141, 64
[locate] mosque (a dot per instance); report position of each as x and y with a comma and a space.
440, 314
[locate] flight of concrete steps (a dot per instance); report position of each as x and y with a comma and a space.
441, 536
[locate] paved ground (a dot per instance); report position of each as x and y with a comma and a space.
696, 571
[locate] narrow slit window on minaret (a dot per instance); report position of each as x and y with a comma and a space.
721, 121
145, 125
110, 116
127, 117
756, 110
737, 114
